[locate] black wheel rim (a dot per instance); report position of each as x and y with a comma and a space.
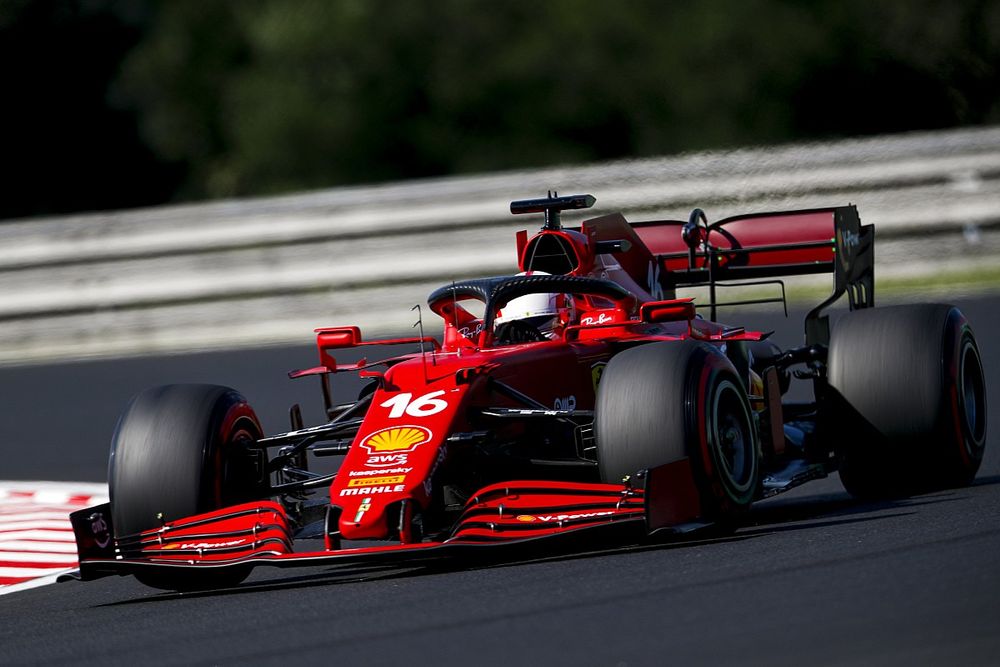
972, 395
732, 438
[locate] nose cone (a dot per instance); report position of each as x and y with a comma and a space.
381, 471
399, 447
366, 501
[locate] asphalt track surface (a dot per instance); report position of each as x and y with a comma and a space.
815, 577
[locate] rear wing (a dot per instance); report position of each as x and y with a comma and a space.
768, 246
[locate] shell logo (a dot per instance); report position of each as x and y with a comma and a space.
525, 518
396, 439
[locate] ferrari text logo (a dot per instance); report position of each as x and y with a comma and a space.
396, 439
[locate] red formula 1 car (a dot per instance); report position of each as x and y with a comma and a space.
575, 399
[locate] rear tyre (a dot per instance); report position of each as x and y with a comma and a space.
180, 450
661, 402
906, 400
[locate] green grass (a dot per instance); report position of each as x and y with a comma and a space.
812, 291
981, 280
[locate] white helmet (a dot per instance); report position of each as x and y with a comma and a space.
542, 310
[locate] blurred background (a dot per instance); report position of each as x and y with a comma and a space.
112, 104
190, 187
200, 175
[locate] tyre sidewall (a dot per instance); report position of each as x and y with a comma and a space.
962, 365
658, 403
171, 454
712, 382
894, 404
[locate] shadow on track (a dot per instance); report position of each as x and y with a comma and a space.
827, 511
985, 481
769, 519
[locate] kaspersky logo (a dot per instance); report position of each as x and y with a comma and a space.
396, 439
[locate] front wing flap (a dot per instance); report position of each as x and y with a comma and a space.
518, 514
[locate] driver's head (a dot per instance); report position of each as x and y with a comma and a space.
546, 312
538, 310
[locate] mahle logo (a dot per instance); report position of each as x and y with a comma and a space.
396, 439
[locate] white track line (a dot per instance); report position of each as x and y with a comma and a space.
45, 535
39, 546
45, 514
62, 559
32, 523
30, 571
32, 583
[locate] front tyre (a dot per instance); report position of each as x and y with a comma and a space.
181, 450
661, 402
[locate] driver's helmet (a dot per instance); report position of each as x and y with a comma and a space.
546, 312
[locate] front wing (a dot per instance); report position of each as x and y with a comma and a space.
518, 516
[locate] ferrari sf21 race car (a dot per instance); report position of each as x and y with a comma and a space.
579, 398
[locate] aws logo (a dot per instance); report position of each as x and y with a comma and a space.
396, 439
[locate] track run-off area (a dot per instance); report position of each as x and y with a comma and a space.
36, 539
813, 577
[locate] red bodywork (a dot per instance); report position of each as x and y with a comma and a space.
426, 414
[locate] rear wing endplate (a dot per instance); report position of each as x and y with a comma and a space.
767, 246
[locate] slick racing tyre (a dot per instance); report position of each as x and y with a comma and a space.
180, 450
661, 402
906, 400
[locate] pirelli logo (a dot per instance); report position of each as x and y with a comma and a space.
377, 481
